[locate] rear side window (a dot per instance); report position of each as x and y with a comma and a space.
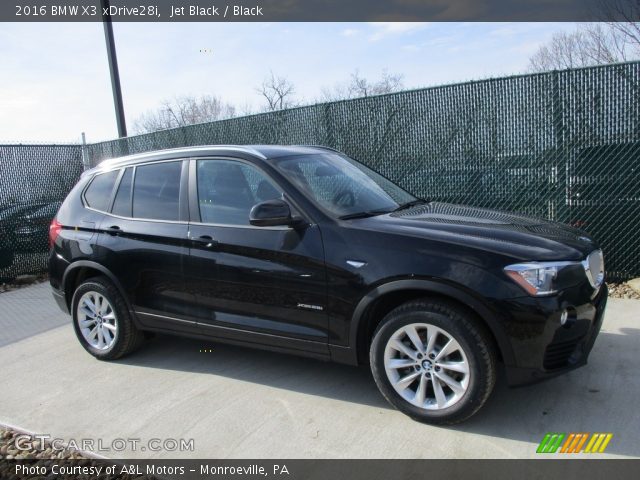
122, 202
156, 191
98, 194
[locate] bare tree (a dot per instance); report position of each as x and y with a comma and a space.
358, 87
624, 17
278, 92
182, 111
590, 44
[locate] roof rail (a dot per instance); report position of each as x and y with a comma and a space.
143, 155
323, 147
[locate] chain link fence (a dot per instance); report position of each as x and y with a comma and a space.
34, 180
561, 145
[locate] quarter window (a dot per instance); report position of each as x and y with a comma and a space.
227, 190
156, 191
98, 194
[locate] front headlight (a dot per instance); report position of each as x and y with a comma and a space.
536, 278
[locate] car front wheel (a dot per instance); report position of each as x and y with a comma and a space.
433, 361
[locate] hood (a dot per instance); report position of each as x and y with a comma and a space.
519, 236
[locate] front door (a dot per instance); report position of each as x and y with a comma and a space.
265, 285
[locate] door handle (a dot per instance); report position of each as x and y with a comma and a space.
114, 230
205, 240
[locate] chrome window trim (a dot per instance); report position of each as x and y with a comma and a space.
180, 222
137, 219
121, 169
116, 183
118, 162
225, 225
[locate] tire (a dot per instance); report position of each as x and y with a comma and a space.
109, 342
458, 394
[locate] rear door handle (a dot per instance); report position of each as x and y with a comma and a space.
114, 230
205, 240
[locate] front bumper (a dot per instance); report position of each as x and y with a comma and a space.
542, 346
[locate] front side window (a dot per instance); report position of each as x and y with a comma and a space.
156, 191
342, 186
98, 193
227, 190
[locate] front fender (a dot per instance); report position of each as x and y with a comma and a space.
456, 293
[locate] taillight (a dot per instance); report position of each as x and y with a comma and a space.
54, 231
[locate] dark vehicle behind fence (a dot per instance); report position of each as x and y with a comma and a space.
303, 250
6, 247
10, 218
32, 231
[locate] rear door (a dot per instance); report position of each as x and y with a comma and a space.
252, 284
143, 240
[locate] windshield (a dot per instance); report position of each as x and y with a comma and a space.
341, 186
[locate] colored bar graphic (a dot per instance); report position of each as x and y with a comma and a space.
598, 442
543, 443
581, 443
556, 443
607, 439
590, 444
566, 445
574, 442
550, 443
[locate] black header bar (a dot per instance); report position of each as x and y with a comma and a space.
576, 469
312, 10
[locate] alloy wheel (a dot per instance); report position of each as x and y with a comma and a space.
97, 320
426, 366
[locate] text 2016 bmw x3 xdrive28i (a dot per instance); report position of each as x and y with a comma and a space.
303, 250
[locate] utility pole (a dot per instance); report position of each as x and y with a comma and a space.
113, 69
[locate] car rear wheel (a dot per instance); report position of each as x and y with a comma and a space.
102, 321
433, 361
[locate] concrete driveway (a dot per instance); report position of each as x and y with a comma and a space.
240, 403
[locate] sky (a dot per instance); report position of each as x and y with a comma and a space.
55, 84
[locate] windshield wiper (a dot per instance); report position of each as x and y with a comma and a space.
368, 213
412, 203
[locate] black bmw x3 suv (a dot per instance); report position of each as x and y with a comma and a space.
303, 250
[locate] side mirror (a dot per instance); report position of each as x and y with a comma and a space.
271, 213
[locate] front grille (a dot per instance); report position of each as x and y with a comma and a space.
558, 354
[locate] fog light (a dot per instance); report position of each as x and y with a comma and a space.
568, 317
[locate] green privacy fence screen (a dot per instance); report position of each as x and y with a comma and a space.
560, 145
34, 180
